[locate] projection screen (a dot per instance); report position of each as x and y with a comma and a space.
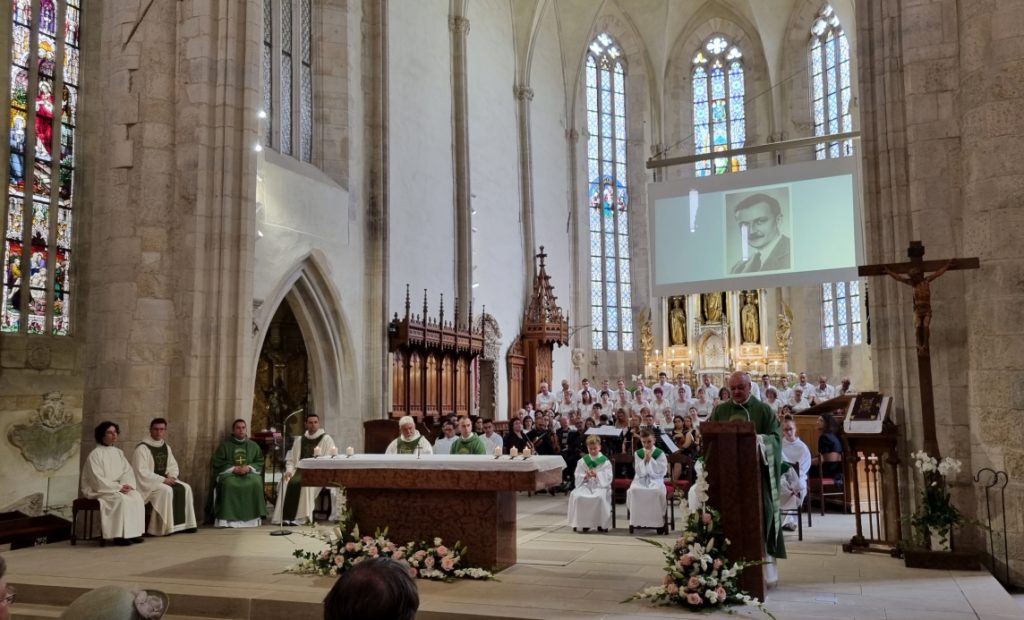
792, 225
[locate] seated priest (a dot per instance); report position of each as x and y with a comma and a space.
410, 441
156, 470
295, 502
467, 442
590, 504
238, 484
796, 458
645, 498
108, 477
741, 406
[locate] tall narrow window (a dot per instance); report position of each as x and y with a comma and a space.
840, 311
287, 77
830, 83
719, 119
610, 300
40, 194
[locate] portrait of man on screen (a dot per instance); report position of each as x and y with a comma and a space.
759, 231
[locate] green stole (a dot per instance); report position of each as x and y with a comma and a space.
408, 447
177, 491
654, 455
294, 488
593, 463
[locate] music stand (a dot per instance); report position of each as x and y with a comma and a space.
273, 464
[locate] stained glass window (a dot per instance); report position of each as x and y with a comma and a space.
287, 77
830, 83
611, 301
44, 87
841, 314
719, 117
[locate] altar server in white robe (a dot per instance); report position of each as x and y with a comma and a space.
156, 470
590, 504
793, 486
645, 498
108, 477
295, 502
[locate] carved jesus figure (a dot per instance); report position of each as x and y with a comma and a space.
922, 299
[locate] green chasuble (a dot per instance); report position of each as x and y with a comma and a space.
766, 424
239, 498
473, 445
177, 491
408, 447
294, 488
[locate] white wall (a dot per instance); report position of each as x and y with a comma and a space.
551, 178
422, 224
494, 175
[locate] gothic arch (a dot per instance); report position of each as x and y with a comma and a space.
711, 20
332, 365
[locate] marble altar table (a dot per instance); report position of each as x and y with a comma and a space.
464, 498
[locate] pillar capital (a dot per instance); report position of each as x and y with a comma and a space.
458, 25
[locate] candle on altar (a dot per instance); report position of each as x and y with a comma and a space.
316, 451
349, 451
513, 451
497, 451
527, 452
333, 451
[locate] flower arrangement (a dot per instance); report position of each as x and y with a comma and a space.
935, 518
346, 548
698, 575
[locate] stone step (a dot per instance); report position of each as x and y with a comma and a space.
30, 611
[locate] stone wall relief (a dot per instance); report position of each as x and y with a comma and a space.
50, 437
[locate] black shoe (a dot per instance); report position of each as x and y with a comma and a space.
602, 529
138, 540
122, 542
191, 530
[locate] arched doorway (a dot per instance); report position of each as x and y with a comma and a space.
282, 375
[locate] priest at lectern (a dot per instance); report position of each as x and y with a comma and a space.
744, 407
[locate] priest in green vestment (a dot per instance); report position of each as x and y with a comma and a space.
742, 406
238, 470
156, 470
295, 502
467, 442
410, 441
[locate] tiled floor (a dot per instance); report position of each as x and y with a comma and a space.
560, 575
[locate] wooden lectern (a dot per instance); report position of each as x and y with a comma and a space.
734, 479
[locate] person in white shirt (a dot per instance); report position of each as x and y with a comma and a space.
492, 439
709, 388
641, 388
295, 502
823, 391
585, 387
443, 444
661, 401
772, 399
590, 504
845, 387
681, 404
793, 485
704, 404
804, 385
766, 382
667, 389
545, 400
607, 388
755, 390
797, 402
682, 385
624, 398
785, 392
565, 404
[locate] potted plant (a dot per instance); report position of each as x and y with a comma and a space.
936, 516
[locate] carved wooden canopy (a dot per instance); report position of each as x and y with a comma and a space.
544, 320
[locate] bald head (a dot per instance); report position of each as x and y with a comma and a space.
739, 387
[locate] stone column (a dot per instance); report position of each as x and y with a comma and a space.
459, 26
375, 182
991, 95
524, 95
168, 257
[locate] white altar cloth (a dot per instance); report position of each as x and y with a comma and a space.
435, 462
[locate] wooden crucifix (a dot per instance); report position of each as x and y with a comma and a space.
919, 273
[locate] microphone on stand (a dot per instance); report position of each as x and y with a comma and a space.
273, 476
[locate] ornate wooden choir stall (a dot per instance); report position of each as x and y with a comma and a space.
432, 362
